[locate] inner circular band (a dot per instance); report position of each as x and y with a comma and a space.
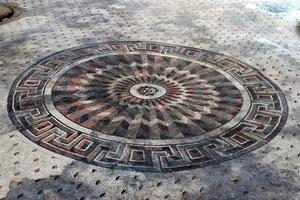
226, 127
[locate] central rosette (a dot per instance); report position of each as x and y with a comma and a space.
146, 97
133, 91
147, 91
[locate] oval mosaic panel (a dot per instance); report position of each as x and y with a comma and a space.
146, 106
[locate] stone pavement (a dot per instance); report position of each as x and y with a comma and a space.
150, 100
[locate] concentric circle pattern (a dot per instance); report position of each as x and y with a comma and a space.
146, 97
146, 106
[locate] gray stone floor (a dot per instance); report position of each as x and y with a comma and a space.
260, 33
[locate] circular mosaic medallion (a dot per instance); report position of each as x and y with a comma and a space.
146, 106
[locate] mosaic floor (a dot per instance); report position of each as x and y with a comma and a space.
116, 100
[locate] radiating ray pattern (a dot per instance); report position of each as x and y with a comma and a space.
184, 98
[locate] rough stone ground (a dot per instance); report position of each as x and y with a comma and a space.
259, 32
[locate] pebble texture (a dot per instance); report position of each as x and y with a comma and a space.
5, 12
260, 33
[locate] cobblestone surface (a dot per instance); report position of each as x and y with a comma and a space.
262, 34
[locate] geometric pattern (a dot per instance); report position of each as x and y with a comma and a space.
146, 106
195, 99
